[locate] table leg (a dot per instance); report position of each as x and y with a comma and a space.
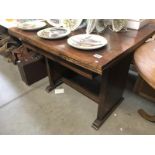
54, 77
112, 87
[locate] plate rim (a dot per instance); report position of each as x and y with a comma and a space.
43, 25
66, 34
59, 25
87, 48
79, 20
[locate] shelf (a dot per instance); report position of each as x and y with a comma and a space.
90, 88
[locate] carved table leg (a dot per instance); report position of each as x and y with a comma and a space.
112, 88
54, 78
146, 116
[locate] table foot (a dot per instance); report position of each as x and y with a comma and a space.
50, 88
98, 123
146, 116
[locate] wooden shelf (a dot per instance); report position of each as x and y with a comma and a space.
90, 88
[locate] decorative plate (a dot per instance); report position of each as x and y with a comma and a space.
55, 22
87, 41
71, 24
53, 33
31, 25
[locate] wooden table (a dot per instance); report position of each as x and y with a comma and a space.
101, 79
144, 59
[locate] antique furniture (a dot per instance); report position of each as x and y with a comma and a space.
144, 59
99, 74
143, 89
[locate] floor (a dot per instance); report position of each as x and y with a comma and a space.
30, 110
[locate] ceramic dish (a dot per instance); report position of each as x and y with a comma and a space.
55, 22
87, 41
31, 25
53, 33
71, 24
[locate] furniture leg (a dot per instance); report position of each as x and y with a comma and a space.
112, 88
54, 77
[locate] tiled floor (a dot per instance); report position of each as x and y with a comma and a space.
30, 110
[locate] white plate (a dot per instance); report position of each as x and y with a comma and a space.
71, 24
87, 41
31, 25
55, 22
53, 33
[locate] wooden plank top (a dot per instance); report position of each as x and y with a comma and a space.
119, 44
144, 58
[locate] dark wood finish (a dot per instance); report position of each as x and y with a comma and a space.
111, 91
32, 71
119, 44
102, 80
145, 62
144, 58
84, 72
89, 88
53, 75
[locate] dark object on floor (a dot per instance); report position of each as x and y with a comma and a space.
144, 58
146, 116
31, 66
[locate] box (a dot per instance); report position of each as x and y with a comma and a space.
32, 71
136, 24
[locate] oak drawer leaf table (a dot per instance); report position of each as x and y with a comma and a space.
99, 74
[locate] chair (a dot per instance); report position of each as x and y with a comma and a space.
144, 59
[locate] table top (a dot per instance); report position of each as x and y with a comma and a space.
119, 44
144, 58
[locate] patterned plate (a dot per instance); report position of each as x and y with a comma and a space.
53, 33
55, 22
31, 25
87, 41
71, 24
